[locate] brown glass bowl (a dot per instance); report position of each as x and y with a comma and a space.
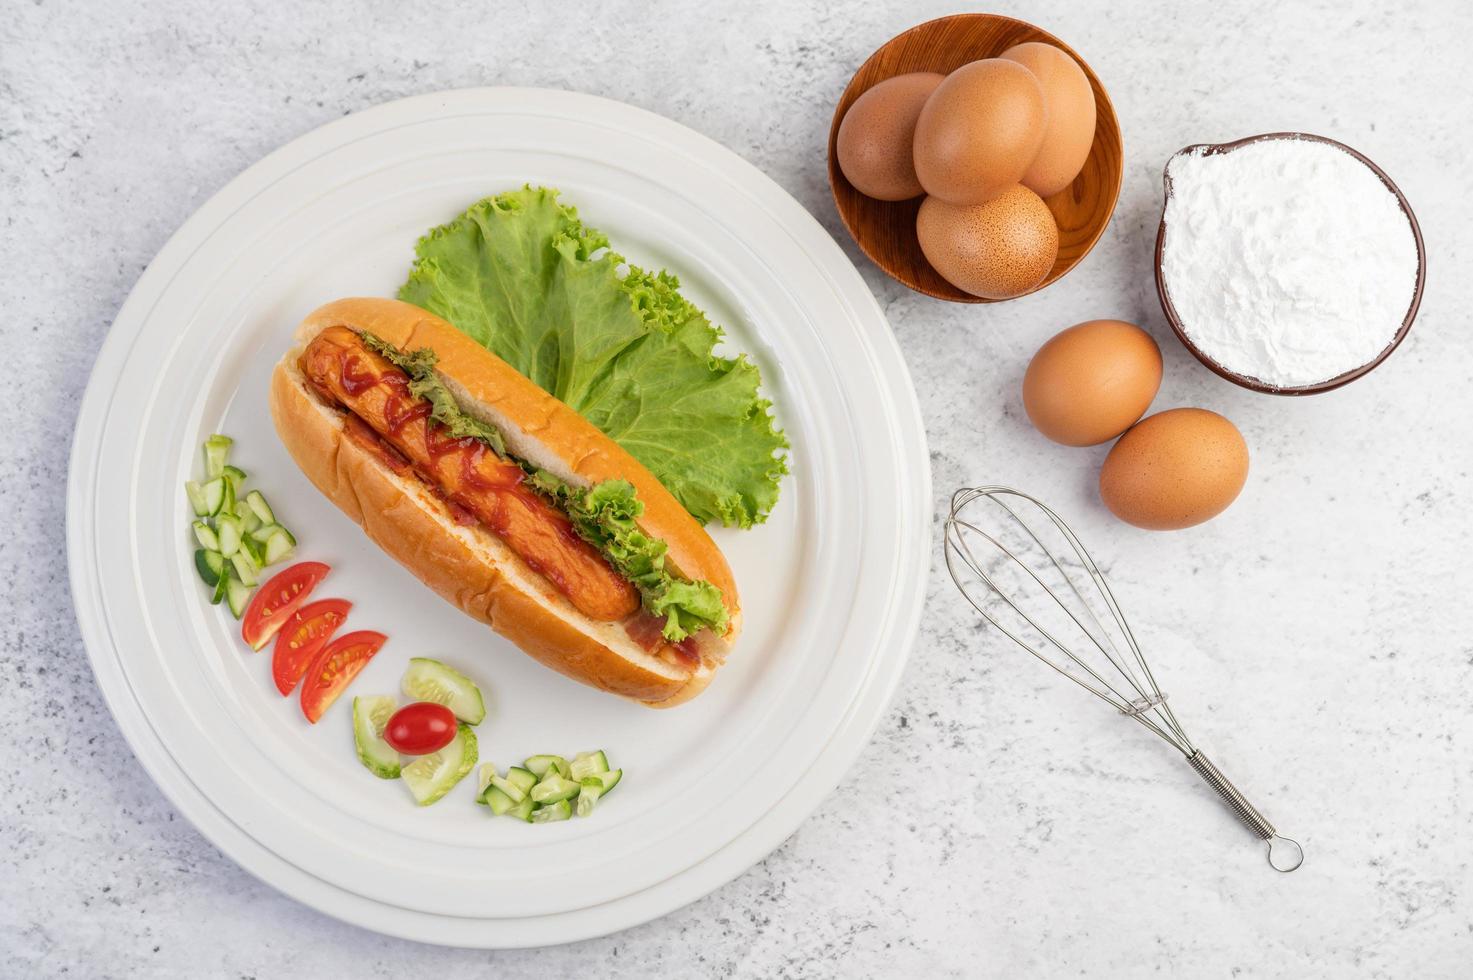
886, 230
1252, 384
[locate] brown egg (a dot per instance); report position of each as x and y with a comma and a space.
875, 138
1175, 469
1069, 130
979, 131
996, 250
1091, 382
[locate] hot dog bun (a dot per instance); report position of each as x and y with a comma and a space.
467, 565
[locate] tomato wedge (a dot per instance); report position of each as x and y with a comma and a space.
302, 638
275, 601
335, 668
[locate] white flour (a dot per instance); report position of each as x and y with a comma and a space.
1288, 261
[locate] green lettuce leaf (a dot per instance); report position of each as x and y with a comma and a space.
524, 277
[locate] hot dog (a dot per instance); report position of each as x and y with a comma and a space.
341, 367
489, 490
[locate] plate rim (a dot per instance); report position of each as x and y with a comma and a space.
845, 741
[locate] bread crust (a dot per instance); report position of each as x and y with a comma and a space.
468, 566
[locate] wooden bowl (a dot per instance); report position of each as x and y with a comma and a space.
1252, 384
886, 230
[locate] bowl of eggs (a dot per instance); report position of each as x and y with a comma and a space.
975, 158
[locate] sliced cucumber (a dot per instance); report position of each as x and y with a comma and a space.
499, 802
431, 776
236, 476
227, 528
539, 765
523, 810
521, 779
263, 533
237, 594
257, 503
217, 452
206, 537
210, 565
370, 715
553, 812
245, 569
279, 545
553, 788
430, 680
587, 764
197, 502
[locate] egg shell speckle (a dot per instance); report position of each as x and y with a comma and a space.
979, 131
875, 144
996, 250
1175, 469
1091, 382
1069, 130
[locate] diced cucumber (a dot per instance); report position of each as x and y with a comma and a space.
553, 788
222, 584
217, 452
589, 791
431, 776
197, 502
247, 517
255, 549
523, 810
430, 680
214, 495
210, 565
608, 780
484, 776
236, 476
553, 812
227, 528
521, 778
257, 503
370, 715
263, 533
588, 763
237, 594
514, 793
279, 545
206, 537
538, 765
499, 802
245, 569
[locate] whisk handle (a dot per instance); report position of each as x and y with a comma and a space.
1283, 854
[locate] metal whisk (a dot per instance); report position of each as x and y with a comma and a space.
986, 562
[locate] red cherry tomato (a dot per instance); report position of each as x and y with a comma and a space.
275, 601
302, 638
420, 728
334, 669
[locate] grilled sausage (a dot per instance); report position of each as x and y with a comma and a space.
344, 370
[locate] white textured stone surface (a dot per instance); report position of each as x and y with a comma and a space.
1316, 637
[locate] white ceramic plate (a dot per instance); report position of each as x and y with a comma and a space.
832, 585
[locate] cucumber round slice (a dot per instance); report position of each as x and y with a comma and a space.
430, 680
432, 776
370, 715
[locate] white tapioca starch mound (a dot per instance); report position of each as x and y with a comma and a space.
1287, 260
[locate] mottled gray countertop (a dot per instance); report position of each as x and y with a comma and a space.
1318, 637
